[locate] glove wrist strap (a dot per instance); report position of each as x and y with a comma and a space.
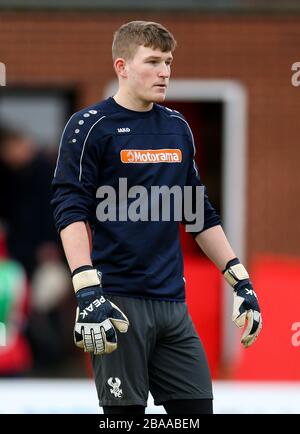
235, 272
82, 268
86, 278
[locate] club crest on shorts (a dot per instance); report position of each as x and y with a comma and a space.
116, 391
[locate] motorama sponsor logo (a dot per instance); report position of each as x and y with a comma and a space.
151, 156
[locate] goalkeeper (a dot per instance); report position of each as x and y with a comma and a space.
128, 274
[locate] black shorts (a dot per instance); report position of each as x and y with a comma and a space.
161, 352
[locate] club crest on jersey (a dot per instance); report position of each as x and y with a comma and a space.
151, 156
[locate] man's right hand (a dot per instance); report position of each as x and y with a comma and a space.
96, 317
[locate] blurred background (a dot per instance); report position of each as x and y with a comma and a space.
236, 79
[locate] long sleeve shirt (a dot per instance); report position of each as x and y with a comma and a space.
105, 148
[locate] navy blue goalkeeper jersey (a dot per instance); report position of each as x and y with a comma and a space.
105, 143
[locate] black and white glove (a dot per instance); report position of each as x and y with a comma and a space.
245, 303
96, 317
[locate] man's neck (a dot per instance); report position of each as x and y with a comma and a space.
132, 103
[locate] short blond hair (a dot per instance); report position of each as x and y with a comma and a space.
147, 33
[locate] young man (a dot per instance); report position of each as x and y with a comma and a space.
130, 270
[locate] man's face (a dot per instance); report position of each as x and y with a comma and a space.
148, 74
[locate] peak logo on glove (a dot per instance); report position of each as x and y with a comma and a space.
251, 292
97, 318
97, 302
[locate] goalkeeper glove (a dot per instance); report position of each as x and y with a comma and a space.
96, 317
245, 303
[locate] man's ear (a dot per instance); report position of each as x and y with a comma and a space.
120, 66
